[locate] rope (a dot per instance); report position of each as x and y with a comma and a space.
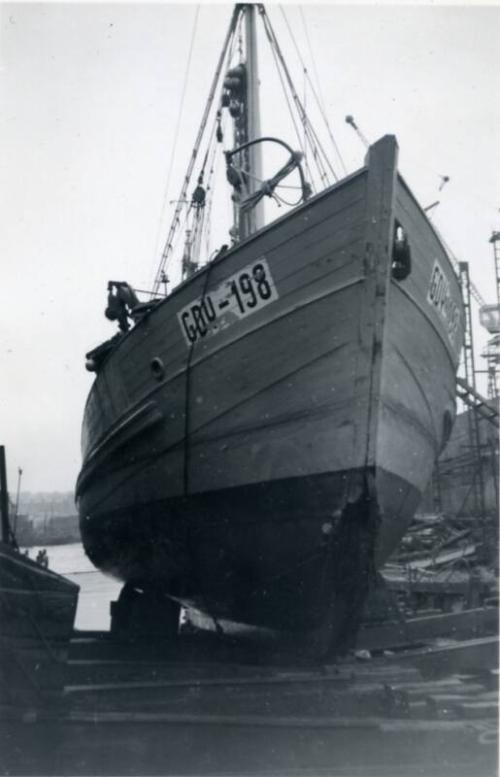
285, 202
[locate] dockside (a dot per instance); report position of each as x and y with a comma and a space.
401, 704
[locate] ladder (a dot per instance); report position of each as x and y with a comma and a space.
467, 392
495, 241
492, 350
469, 367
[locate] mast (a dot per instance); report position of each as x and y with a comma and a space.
254, 219
4, 498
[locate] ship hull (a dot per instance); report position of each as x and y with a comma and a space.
37, 612
263, 463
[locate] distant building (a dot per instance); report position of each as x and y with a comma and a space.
46, 519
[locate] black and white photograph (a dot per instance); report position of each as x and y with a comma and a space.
250, 378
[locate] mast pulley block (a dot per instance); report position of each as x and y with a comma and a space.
236, 80
199, 196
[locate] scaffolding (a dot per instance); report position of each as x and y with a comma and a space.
465, 478
467, 391
495, 240
490, 319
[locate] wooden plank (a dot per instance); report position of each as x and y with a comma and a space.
478, 709
468, 623
225, 682
96, 672
453, 686
308, 722
431, 560
465, 656
467, 698
223, 720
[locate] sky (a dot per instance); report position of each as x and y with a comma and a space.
90, 98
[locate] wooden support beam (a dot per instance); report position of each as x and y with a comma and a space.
466, 624
467, 656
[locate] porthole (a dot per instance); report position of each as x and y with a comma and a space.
157, 368
401, 254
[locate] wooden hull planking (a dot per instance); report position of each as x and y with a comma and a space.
343, 383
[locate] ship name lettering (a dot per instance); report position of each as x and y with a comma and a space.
196, 320
238, 296
440, 297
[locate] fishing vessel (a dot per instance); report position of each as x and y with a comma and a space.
257, 440
37, 613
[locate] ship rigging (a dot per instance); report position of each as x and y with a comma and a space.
234, 99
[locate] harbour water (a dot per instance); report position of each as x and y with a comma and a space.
96, 590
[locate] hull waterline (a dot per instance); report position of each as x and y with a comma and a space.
263, 462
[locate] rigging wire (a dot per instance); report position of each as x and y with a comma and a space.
290, 110
292, 116
304, 68
304, 73
176, 236
321, 100
316, 76
214, 164
200, 219
222, 58
203, 223
318, 96
195, 215
298, 103
309, 129
177, 128
211, 161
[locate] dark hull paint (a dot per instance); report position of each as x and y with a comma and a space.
234, 553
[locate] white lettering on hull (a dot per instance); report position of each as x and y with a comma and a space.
440, 297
